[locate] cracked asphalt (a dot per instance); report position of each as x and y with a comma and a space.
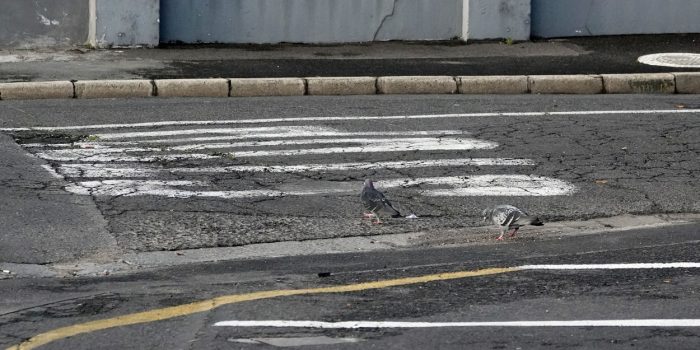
622, 163
32, 306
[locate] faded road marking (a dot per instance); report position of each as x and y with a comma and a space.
398, 324
612, 266
351, 118
362, 145
110, 170
476, 185
206, 305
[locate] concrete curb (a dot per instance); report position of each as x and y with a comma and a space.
416, 85
192, 87
113, 88
651, 83
659, 83
565, 84
36, 90
247, 87
497, 84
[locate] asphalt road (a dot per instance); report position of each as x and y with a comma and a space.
179, 307
291, 168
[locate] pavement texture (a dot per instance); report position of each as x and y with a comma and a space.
576, 65
562, 66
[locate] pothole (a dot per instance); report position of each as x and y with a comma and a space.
674, 59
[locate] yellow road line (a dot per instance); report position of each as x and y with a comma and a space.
206, 305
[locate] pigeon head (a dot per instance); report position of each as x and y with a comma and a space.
369, 184
486, 213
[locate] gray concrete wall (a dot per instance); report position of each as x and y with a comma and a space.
124, 23
308, 21
561, 18
495, 19
43, 23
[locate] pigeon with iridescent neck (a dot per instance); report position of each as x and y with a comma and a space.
375, 203
508, 217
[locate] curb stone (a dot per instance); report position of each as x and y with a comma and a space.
342, 86
496, 84
687, 83
113, 88
246, 87
416, 85
36, 90
654, 83
565, 84
192, 87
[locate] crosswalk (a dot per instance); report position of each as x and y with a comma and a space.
177, 159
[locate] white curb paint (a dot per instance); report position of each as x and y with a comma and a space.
478, 185
397, 324
109, 170
394, 117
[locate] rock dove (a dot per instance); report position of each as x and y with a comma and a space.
508, 217
375, 202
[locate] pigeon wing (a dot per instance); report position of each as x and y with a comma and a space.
506, 215
374, 201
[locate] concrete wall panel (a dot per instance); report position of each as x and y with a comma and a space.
124, 23
562, 18
43, 23
308, 21
495, 19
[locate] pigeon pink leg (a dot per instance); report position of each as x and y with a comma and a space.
512, 234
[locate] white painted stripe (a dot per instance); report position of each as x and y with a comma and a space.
106, 158
259, 133
486, 185
109, 144
366, 146
52, 172
398, 142
480, 185
108, 170
129, 188
612, 266
390, 117
388, 145
398, 324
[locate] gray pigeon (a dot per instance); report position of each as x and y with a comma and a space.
375, 202
508, 217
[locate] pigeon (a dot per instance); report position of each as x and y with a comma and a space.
508, 217
375, 202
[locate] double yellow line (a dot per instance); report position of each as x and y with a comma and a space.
206, 305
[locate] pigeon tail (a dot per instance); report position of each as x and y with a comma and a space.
533, 220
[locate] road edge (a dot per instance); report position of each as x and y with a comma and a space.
645, 83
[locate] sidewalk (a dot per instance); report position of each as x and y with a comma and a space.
594, 55
571, 66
